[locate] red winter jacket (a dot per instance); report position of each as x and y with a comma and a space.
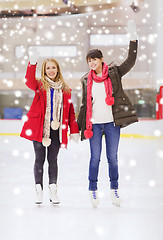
33, 127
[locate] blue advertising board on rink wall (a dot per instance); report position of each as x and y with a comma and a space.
13, 113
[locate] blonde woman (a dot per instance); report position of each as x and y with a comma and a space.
49, 116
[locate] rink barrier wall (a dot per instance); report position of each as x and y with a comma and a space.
144, 129
122, 135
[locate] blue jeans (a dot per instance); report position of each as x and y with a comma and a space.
112, 135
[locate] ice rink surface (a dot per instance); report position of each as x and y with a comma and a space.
140, 216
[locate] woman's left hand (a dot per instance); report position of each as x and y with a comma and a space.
75, 137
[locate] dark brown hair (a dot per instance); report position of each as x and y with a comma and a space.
95, 53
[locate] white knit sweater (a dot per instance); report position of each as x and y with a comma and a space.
101, 112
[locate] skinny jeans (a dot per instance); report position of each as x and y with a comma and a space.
112, 135
52, 154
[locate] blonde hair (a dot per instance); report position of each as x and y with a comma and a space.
58, 77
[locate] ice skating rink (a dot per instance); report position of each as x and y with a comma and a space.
140, 216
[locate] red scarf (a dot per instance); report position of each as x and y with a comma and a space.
88, 133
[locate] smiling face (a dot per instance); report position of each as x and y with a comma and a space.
95, 64
51, 70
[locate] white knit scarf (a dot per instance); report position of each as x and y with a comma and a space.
57, 102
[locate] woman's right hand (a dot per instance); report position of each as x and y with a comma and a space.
33, 55
132, 30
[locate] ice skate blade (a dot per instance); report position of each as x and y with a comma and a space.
94, 205
116, 204
54, 203
38, 203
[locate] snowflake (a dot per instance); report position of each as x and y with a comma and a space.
63, 126
49, 35
16, 191
28, 132
19, 211
16, 102
18, 93
132, 163
26, 155
128, 177
15, 153
100, 231
157, 132
63, 145
152, 183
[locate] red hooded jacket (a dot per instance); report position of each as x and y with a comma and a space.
33, 127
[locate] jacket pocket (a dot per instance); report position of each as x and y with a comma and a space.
33, 114
34, 124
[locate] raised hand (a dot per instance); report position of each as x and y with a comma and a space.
132, 30
33, 55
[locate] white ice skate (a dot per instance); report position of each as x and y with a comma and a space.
53, 193
39, 194
94, 198
116, 200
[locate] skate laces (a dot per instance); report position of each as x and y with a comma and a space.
94, 195
116, 193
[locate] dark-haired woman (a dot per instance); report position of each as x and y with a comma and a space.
105, 109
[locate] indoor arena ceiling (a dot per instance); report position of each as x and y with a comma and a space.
12, 8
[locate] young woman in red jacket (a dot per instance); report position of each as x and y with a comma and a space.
48, 119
